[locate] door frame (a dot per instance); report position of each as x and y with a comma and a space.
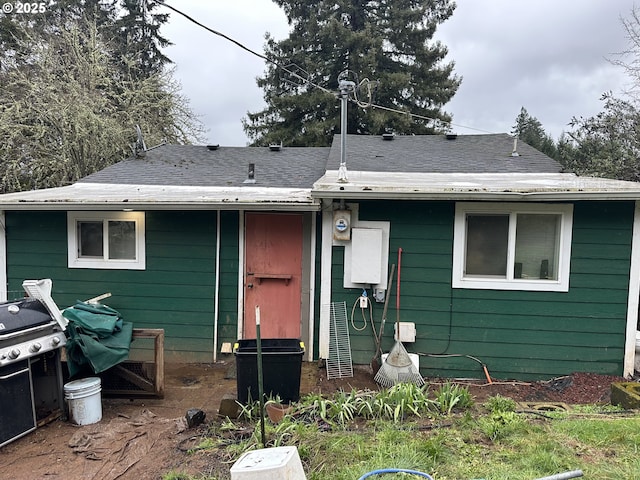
307, 294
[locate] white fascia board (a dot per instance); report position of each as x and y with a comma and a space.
91, 196
471, 186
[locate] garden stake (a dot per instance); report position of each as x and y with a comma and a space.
260, 377
398, 367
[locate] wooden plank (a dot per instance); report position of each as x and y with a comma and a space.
146, 387
157, 334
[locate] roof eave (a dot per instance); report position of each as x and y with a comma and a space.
463, 186
138, 206
83, 196
546, 196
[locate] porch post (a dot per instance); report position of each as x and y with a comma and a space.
633, 297
325, 278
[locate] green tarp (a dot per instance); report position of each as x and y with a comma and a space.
98, 337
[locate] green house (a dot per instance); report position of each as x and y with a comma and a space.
506, 262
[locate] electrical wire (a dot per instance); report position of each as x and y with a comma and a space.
364, 319
244, 47
422, 117
306, 81
369, 104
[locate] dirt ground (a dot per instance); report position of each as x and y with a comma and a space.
143, 439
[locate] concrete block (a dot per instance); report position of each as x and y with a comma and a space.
229, 407
626, 394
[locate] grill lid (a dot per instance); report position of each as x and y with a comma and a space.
22, 314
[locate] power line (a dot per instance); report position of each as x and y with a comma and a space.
370, 104
422, 117
235, 42
309, 82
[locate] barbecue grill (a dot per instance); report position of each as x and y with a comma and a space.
31, 380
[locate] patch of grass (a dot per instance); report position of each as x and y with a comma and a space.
342, 437
499, 425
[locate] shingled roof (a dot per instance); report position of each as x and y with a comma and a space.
440, 154
189, 165
464, 167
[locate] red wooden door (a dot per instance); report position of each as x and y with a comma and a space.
273, 274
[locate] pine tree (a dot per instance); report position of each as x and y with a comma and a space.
530, 130
388, 42
139, 39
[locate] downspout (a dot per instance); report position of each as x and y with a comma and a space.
216, 299
633, 297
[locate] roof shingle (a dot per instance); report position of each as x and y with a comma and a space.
438, 154
190, 165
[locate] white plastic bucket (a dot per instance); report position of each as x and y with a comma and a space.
83, 399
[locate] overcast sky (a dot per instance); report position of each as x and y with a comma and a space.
549, 56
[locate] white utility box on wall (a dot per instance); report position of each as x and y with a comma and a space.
406, 333
366, 255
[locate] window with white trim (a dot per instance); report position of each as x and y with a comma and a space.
109, 240
512, 246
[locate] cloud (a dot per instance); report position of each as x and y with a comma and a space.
549, 56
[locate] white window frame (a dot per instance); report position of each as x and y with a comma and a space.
74, 261
561, 284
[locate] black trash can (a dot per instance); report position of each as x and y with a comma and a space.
281, 368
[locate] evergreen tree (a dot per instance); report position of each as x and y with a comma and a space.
139, 40
388, 42
530, 130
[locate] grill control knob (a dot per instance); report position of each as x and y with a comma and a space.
13, 354
55, 341
35, 347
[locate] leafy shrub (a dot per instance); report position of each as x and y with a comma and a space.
500, 425
499, 403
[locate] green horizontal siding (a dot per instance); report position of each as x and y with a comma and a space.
175, 291
524, 335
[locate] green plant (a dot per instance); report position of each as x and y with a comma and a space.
342, 408
404, 399
499, 425
452, 396
498, 403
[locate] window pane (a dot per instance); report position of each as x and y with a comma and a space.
487, 242
122, 240
537, 239
90, 239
